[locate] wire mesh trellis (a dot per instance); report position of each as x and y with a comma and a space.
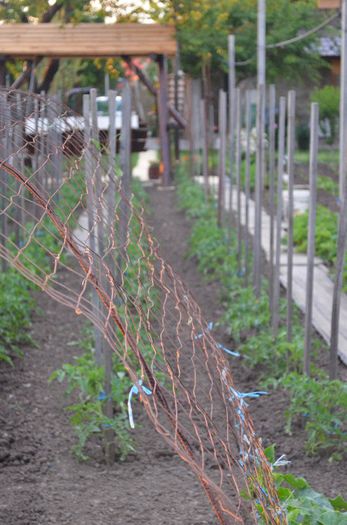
89, 227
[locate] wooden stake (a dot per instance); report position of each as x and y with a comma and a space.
247, 180
343, 102
232, 127
164, 120
222, 155
275, 313
272, 106
238, 177
314, 127
290, 152
257, 261
204, 133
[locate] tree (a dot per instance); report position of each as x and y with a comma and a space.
203, 27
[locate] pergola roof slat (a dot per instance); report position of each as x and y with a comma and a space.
86, 40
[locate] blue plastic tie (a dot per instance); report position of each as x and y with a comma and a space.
230, 352
102, 396
134, 391
251, 395
210, 326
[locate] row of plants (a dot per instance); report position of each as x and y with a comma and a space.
315, 402
85, 380
325, 237
16, 299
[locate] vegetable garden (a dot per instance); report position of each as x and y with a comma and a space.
155, 362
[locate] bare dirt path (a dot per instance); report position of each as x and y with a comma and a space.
40, 480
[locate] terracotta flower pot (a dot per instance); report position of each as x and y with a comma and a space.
154, 171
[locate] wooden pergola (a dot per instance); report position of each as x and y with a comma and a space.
329, 4
26, 41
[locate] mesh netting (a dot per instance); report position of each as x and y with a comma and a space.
64, 201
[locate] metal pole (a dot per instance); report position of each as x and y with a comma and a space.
275, 320
290, 151
314, 127
343, 101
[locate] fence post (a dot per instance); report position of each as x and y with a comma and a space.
42, 130
204, 134
272, 106
3, 174
343, 103
163, 120
222, 155
314, 127
275, 303
231, 88
257, 262
247, 180
103, 352
338, 282
238, 178
290, 152
91, 211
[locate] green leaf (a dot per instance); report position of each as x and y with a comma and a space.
339, 503
270, 453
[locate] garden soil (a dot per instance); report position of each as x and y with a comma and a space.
42, 483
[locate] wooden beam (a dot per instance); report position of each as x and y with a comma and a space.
329, 4
86, 40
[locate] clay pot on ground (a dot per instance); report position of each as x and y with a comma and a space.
154, 171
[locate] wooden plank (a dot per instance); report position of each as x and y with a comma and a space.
329, 4
86, 40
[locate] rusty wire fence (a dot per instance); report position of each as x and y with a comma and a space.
63, 200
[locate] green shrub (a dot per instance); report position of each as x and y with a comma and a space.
328, 99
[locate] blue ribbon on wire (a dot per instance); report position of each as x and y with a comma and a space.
210, 326
230, 352
134, 391
251, 395
102, 396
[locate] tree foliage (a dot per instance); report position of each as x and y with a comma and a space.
203, 27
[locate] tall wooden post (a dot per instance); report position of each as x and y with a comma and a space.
290, 152
222, 121
164, 120
275, 303
231, 99
272, 106
343, 102
314, 127
2, 71
257, 260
